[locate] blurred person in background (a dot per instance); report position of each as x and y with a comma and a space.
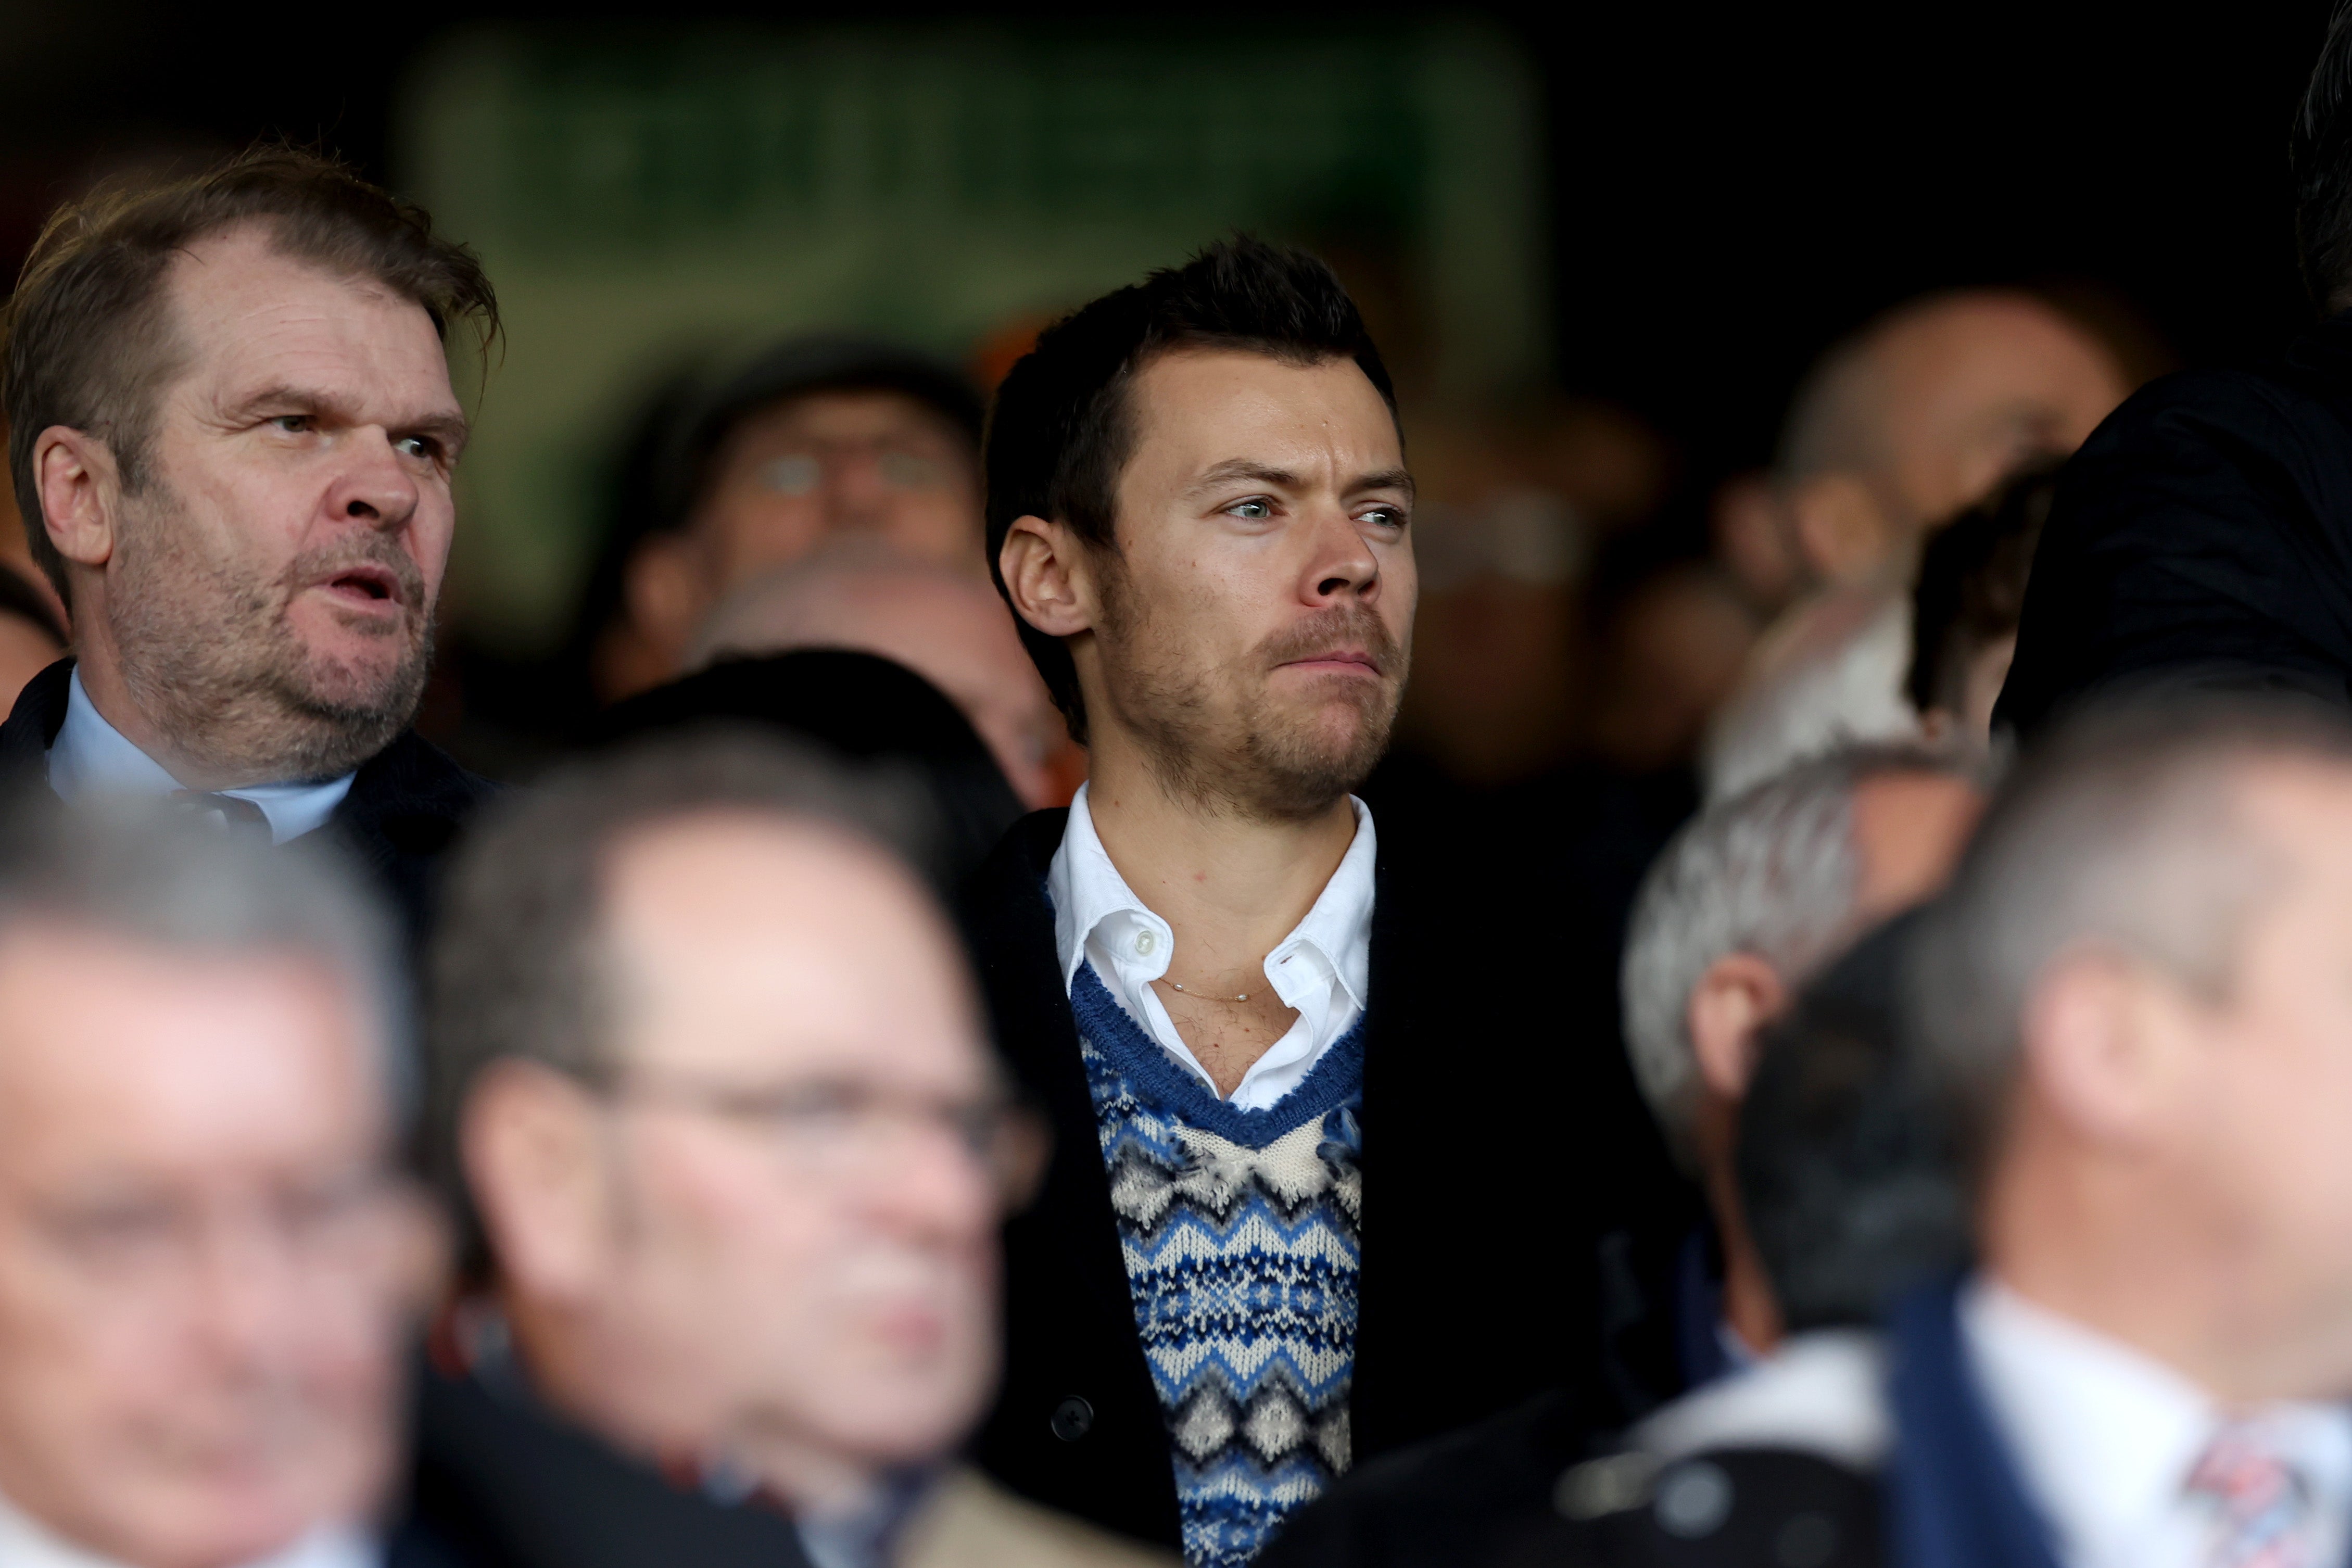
1965, 608
819, 437
1744, 906
1849, 1176
209, 1265
2128, 1001
1918, 415
1202, 517
947, 626
2201, 537
232, 436
739, 1197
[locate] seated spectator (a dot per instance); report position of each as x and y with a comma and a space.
208, 1265
1848, 1180
1965, 608
2201, 536
948, 626
820, 437
2129, 997
1898, 428
739, 1195
32, 635
1744, 905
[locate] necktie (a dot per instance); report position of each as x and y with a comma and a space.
2260, 1504
233, 812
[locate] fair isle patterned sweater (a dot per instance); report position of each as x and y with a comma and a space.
1239, 1231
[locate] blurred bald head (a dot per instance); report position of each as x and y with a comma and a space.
945, 626
1925, 410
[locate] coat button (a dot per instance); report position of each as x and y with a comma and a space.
1073, 1419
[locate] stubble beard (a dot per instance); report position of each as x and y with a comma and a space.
214, 661
1265, 761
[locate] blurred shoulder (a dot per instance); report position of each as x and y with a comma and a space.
970, 1521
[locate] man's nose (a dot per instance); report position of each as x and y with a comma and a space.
1341, 563
373, 485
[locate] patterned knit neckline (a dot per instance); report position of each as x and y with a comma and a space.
1331, 1083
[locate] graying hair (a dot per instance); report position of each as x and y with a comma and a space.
153, 874
2125, 830
517, 966
1773, 871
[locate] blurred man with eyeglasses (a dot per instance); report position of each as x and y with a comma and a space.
709, 1062
209, 1265
821, 439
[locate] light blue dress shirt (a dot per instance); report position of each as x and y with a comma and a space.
91, 756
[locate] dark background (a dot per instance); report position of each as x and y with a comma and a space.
1731, 186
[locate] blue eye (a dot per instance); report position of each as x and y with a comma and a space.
1386, 517
1257, 509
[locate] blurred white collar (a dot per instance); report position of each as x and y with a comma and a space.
26, 1544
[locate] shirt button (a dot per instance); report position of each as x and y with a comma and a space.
1145, 942
1073, 1419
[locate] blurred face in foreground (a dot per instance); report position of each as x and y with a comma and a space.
202, 1250
772, 1240
262, 604
2205, 1129
1249, 633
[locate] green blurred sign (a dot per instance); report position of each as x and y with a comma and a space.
638, 196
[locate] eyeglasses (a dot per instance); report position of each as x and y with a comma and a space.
801, 473
839, 1130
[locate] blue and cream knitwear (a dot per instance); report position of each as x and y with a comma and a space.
1239, 1229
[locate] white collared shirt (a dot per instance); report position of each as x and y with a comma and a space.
1322, 969
91, 756
2105, 1436
25, 1542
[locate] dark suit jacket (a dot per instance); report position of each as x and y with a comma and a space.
2204, 532
498, 1481
403, 811
1482, 1204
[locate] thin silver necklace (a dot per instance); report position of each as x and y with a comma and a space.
1180, 986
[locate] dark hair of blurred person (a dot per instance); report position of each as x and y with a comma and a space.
1748, 902
2201, 536
948, 626
817, 438
1965, 606
232, 433
32, 638
209, 1265
710, 1059
858, 707
1849, 1182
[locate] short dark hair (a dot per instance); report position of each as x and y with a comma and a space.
1062, 429
88, 345
1849, 1175
1971, 587
2319, 158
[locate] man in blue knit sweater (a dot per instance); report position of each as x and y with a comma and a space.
1199, 512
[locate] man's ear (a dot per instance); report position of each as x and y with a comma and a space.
79, 487
1737, 995
1842, 529
534, 1160
2107, 1045
1045, 576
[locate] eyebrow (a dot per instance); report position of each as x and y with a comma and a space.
450, 428
1233, 469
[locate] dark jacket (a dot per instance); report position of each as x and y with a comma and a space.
1482, 1206
403, 811
2204, 532
498, 1482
